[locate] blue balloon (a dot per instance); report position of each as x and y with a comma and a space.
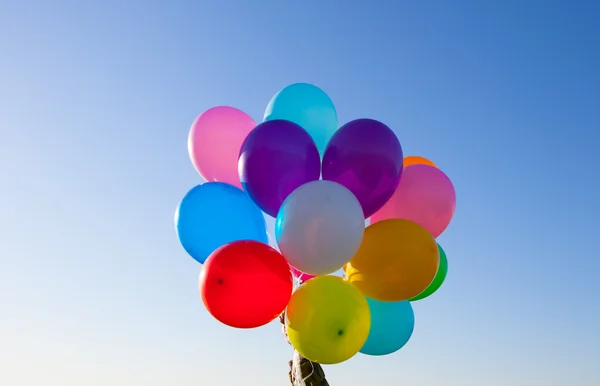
214, 214
308, 106
392, 324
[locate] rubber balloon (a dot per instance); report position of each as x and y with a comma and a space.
245, 284
397, 260
214, 143
328, 320
425, 195
277, 157
392, 325
366, 157
308, 106
213, 214
302, 276
417, 160
319, 227
437, 282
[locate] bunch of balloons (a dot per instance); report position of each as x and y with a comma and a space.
320, 182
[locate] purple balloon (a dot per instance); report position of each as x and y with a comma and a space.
277, 157
366, 157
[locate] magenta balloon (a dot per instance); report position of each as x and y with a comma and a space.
366, 157
425, 195
303, 276
277, 157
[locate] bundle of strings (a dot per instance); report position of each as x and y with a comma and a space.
299, 369
303, 372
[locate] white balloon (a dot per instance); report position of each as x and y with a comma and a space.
320, 227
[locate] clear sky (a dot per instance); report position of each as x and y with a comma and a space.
96, 99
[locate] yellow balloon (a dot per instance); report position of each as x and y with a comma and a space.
328, 320
396, 261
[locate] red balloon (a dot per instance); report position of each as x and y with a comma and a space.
246, 284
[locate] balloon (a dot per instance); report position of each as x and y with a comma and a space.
417, 160
397, 260
440, 276
425, 195
392, 324
366, 157
277, 157
328, 320
303, 276
245, 284
214, 143
308, 106
319, 227
213, 214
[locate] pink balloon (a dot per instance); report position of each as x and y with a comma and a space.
301, 275
214, 143
425, 195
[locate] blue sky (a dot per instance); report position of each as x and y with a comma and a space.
96, 99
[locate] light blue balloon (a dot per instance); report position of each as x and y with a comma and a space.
308, 106
214, 214
392, 324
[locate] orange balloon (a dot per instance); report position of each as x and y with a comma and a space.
396, 261
417, 160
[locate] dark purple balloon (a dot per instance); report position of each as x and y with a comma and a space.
277, 157
366, 157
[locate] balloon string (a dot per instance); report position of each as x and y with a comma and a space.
297, 377
297, 370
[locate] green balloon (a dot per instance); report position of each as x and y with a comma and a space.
439, 278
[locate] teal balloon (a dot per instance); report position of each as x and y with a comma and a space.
213, 214
308, 106
392, 325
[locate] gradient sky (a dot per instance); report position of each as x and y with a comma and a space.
96, 100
